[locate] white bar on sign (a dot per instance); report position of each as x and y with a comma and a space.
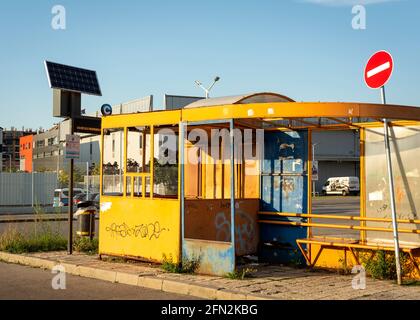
379, 69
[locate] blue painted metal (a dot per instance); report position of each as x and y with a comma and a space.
216, 258
284, 189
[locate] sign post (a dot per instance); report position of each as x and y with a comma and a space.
72, 152
377, 73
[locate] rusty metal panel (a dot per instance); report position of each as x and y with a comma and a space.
210, 220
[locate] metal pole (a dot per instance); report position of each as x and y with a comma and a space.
32, 190
70, 216
392, 193
232, 191
182, 133
313, 159
87, 180
58, 152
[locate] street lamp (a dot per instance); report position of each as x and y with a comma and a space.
207, 90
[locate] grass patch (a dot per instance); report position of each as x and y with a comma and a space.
85, 245
186, 266
41, 236
13, 241
241, 274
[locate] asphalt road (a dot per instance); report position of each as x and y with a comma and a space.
340, 206
25, 283
30, 227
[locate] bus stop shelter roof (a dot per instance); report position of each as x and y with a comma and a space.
272, 110
261, 97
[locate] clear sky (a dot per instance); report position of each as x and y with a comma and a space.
306, 49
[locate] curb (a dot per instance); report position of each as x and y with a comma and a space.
131, 279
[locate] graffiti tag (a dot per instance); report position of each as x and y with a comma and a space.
244, 232
149, 231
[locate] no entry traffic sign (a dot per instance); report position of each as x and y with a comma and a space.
379, 69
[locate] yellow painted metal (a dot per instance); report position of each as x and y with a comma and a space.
362, 184
335, 226
327, 216
141, 228
301, 110
284, 110
142, 119
124, 166
152, 161
309, 176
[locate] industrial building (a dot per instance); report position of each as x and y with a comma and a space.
337, 153
10, 151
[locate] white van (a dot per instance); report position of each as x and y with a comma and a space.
341, 185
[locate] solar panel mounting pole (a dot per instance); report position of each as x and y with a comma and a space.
70, 217
392, 193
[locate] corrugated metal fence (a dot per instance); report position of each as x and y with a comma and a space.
16, 188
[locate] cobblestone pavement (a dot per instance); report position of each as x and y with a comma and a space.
269, 281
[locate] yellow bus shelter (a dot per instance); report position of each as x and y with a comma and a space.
152, 210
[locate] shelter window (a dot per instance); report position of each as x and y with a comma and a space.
112, 165
138, 150
165, 173
138, 160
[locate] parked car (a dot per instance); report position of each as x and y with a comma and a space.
341, 185
61, 196
97, 200
79, 198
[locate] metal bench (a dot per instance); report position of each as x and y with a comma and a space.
351, 245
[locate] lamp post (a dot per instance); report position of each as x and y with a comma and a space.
207, 90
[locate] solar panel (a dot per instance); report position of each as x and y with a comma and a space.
72, 79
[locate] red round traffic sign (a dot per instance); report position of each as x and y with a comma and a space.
379, 69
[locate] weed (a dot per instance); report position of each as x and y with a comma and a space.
383, 267
85, 245
296, 259
186, 266
344, 269
241, 274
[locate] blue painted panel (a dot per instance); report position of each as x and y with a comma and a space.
215, 258
284, 189
293, 193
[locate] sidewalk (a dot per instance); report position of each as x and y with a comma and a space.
269, 282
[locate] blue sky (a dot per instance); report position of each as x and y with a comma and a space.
305, 49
